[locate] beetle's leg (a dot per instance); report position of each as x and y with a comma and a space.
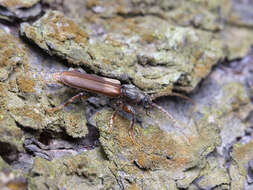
71, 100
118, 103
129, 109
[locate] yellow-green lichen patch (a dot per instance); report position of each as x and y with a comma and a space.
134, 187
3, 95
9, 132
19, 9
236, 93
75, 123
229, 105
238, 30
84, 171
58, 30
63, 29
3, 164
28, 116
241, 155
12, 53
200, 14
71, 119
154, 148
12, 4
237, 48
25, 84
234, 99
92, 3
60, 34
214, 174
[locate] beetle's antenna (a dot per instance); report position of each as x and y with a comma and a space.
175, 122
165, 112
155, 96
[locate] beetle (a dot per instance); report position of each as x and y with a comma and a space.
127, 94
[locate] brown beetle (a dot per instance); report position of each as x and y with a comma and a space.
127, 94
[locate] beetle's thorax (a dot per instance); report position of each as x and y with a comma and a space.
132, 95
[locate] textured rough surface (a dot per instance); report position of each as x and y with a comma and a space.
11, 179
241, 155
237, 34
195, 157
199, 48
85, 171
176, 55
12, 53
238, 40
206, 15
12, 10
241, 13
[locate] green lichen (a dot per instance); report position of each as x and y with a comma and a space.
12, 53
84, 171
